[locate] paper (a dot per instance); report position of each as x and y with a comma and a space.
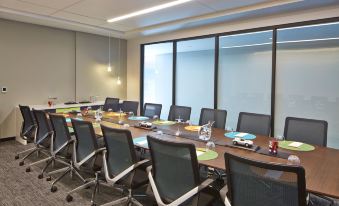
142, 142
241, 134
295, 144
199, 153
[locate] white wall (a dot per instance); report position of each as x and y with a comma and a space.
37, 62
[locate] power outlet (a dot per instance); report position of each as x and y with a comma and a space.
3, 89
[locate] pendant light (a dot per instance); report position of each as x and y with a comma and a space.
119, 80
109, 68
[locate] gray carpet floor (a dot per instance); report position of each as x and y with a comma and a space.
18, 188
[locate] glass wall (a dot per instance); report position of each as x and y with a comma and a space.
158, 73
245, 73
307, 78
195, 75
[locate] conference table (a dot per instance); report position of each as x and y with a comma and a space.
321, 165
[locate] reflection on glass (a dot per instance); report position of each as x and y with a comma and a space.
245, 73
158, 72
195, 75
307, 76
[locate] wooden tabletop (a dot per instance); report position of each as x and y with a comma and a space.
321, 165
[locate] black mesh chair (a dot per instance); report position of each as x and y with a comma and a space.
179, 112
216, 115
61, 141
306, 130
152, 110
174, 174
42, 139
111, 104
121, 164
27, 131
130, 106
86, 150
256, 183
253, 123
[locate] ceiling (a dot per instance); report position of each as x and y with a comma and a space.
91, 15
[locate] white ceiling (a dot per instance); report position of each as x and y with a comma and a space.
91, 15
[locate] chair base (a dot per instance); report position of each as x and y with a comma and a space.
129, 200
66, 170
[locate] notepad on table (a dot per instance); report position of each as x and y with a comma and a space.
199, 153
142, 142
241, 134
295, 144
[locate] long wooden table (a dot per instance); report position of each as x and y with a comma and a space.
321, 165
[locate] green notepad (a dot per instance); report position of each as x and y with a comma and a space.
202, 154
303, 148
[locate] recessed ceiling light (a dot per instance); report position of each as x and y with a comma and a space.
149, 10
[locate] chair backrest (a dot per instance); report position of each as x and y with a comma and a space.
61, 133
181, 112
28, 124
257, 183
253, 123
216, 115
43, 127
309, 131
111, 103
174, 166
150, 110
120, 149
130, 106
86, 139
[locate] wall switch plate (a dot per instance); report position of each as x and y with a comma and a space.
3, 89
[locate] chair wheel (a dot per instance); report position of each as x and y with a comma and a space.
48, 178
16, 157
93, 204
21, 163
54, 189
69, 198
28, 169
40, 176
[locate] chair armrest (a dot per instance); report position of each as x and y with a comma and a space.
223, 195
181, 199
78, 164
44, 137
123, 173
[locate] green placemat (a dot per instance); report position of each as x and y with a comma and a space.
95, 124
303, 148
163, 122
209, 155
67, 110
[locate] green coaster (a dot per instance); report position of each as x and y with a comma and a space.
163, 122
303, 148
202, 154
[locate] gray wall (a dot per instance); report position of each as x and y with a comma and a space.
38, 62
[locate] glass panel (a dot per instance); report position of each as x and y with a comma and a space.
158, 72
245, 73
195, 75
307, 76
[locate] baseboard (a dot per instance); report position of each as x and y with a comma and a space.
7, 139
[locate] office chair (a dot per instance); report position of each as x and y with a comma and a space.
61, 141
174, 175
255, 183
42, 140
86, 151
151, 110
259, 124
216, 115
309, 131
121, 165
130, 106
179, 112
111, 104
28, 128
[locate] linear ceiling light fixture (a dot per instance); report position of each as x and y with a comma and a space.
149, 10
